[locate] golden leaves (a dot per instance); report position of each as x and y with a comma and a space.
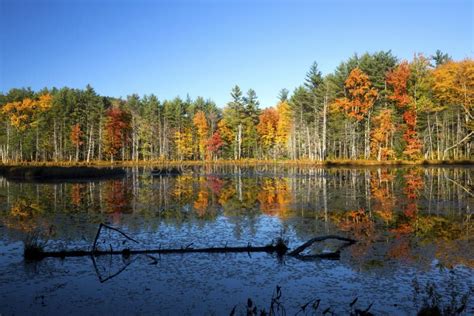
454, 84
267, 127
22, 112
202, 127
184, 143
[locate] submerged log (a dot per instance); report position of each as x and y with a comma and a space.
173, 171
127, 252
279, 247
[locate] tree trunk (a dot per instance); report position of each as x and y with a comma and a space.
8, 141
90, 144
325, 109
239, 142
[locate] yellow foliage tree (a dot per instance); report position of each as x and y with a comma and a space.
21, 113
454, 84
227, 135
202, 127
285, 121
184, 144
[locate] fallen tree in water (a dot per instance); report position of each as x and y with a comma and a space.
279, 246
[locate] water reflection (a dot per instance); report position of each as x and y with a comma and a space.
401, 214
409, 222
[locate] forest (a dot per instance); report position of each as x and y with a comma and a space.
372, 107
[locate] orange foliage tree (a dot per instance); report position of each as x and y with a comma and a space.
357, 104
267, 128
117, 129
381, 135
76, 138
361, 96
398, 79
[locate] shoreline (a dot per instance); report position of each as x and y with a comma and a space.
243, 162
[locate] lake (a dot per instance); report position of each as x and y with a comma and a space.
413, 227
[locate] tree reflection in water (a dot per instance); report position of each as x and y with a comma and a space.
398, 214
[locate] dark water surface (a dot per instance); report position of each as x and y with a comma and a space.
414, 227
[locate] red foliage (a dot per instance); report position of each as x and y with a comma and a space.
398, 79
117, 128
215, 143
413, 146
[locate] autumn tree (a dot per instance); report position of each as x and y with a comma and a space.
227, 136
25, 113
350, 113
117, 129
454, 86
358, 102
76, 138
284, 126
184, 144
200, 123
420, 89
267, 129
382, 135
214, 144
398, 80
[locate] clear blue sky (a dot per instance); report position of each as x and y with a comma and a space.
172, 48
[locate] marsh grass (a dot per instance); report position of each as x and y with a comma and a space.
435, 302
241, 162
34, 244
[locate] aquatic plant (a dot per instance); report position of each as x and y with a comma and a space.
34, 244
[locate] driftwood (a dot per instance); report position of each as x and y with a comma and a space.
280, 248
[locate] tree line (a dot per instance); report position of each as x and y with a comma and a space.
372, 106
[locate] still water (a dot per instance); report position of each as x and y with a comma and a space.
413, 226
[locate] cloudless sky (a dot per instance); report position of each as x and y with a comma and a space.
204, 48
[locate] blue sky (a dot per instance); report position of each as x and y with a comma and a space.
172, 48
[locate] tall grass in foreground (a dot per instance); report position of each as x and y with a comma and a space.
34, 244
428, 299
